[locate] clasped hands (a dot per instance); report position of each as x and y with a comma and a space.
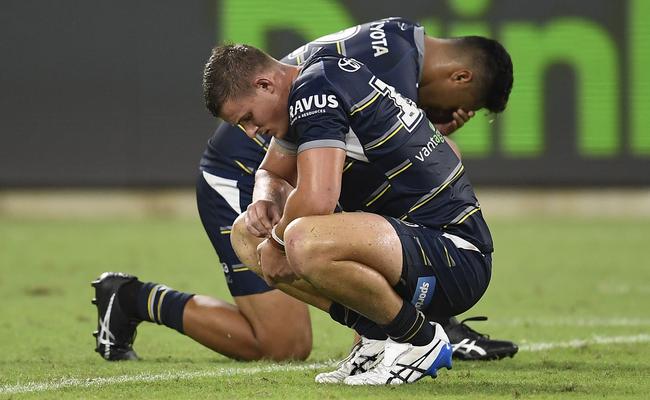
261, 217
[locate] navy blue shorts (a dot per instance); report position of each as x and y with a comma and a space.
220, 201
443, 275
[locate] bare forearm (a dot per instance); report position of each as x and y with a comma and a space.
271, 187
318, 188
302, 203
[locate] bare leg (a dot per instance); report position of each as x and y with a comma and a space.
368, 256
245, 245
252, 329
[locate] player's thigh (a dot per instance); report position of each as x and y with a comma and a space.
443, 275
366, 238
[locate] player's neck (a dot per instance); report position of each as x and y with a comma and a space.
290, 72
437, 60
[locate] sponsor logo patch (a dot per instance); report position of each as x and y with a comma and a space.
424, 292
430, 146
310, 105
349, 64
378, 37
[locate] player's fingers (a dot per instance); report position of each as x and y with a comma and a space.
251, 222
275, 215
260, 221
462, 116
255, 232
456, 121
266, 220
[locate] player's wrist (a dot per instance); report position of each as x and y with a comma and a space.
276, 241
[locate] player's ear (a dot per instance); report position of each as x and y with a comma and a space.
462, 76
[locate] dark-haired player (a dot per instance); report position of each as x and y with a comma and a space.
252, 329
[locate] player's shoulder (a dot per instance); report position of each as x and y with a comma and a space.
381, 33
397, 23
317, 70
367, 41
329, 72
330, 66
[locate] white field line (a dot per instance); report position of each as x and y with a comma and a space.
167, 376
225, 372
572, 322
576, 343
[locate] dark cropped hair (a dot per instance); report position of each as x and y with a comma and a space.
495, 70
229, 73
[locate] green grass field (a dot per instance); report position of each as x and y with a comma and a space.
573, 293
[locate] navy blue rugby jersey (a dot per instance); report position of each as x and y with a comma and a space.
233, 155
338, 102
392, 48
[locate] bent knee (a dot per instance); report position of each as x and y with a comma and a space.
307, 246
244, 244
239, 231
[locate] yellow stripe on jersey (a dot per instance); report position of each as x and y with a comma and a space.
378, 196
440, 189
407, 166
374, 146
338, 47
448, 257
348, 165
464, 218
425, 259
260, 143
256, 140
375, 97
245, 168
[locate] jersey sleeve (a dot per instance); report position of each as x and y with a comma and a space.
317, 116
418, 39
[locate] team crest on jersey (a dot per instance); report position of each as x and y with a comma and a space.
349, 64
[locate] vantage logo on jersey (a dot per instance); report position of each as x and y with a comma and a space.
424, 292
431, 145
314, 104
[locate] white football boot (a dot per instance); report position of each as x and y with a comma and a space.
364, 355
406, 363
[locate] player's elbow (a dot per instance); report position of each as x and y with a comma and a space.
322, 201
